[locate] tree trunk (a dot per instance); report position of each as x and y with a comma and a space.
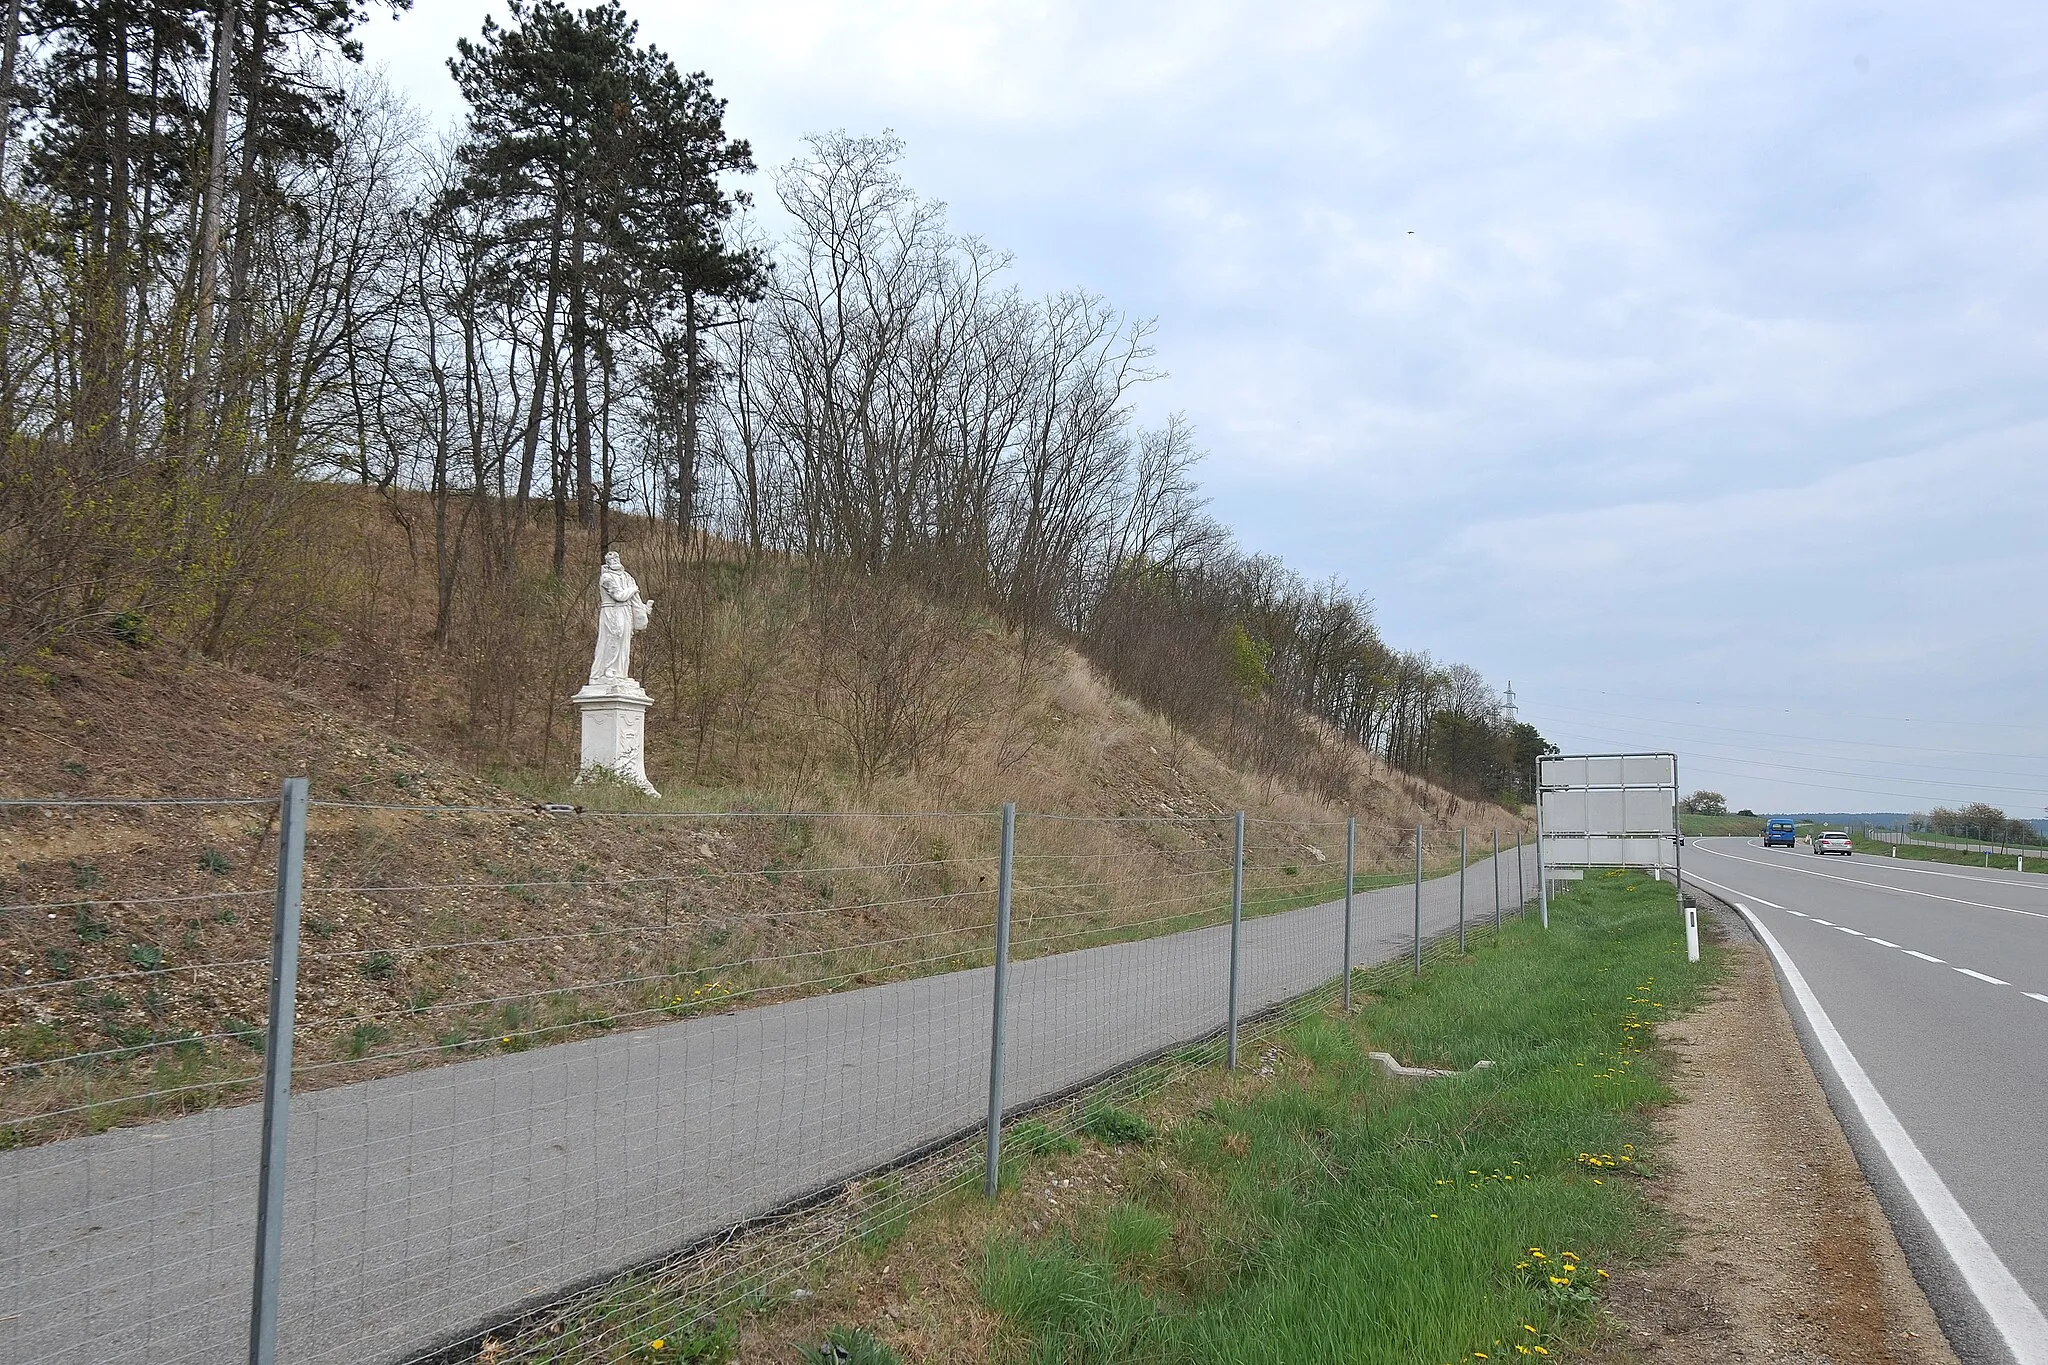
200, 385
245, 194
120, 236
579, 374
479, 472
558, 463
686, 458
543, 368
10, 43
98, 381
604, 463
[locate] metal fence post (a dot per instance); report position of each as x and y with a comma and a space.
1418, 900
1002, 990
1461, 888
1350, 879
277, 1069
1521, 877
1236, 928
1496, 879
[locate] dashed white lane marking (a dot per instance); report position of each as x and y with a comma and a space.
1887, 943
1874, 886
2017, 1318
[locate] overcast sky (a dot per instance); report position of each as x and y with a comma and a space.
1682, 364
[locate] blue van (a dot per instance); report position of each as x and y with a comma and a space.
1780, 832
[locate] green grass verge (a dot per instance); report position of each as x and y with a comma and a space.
1720, 826
1343, 1216
1963, 842
1956, 857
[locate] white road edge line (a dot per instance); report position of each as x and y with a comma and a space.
1981, 977
1695, 877
1883, 942
2017, 1317
1924, 957
1839, 928
2034, 996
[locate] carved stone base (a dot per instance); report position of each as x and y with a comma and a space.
615, 732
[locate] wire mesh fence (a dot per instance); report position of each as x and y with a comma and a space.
535, 1050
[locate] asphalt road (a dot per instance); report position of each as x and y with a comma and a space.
1936, 978
423, 1206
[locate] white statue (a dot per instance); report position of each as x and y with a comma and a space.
621, 610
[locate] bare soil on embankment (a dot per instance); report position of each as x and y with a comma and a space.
1784, 1254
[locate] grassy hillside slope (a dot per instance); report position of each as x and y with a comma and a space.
445, 914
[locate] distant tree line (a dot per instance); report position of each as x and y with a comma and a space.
1978, 820
234, 271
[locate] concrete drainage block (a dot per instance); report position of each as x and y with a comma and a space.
1417, 1073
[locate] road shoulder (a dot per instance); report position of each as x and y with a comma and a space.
1784, 1253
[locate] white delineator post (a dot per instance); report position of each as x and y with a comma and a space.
615, 731
1692, 933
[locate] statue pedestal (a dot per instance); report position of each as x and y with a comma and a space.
615, 732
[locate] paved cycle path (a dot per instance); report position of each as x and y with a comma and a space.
424, 1206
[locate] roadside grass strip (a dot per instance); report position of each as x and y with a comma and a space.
1954, 857
1336, 1214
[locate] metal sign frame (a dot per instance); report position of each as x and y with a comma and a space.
1613, 819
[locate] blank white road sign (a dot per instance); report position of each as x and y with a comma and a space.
1608, 810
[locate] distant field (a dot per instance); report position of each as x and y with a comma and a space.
1719, 825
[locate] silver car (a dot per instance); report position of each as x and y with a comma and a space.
1833, 841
